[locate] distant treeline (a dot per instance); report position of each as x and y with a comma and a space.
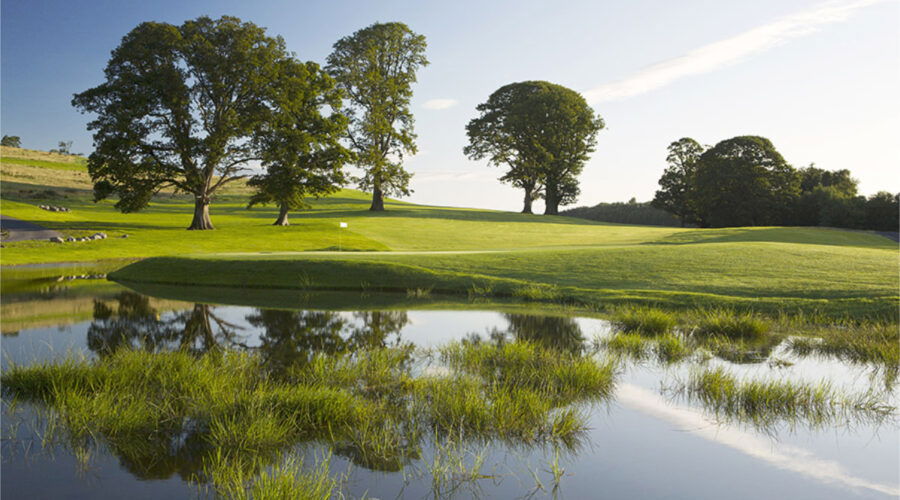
633, 212
744, 181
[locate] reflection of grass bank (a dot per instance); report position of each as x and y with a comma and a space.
742, 337
232, 417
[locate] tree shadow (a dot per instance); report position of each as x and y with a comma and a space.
796, 235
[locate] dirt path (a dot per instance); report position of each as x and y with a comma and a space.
20, 230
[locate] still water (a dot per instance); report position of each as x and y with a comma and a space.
648, 442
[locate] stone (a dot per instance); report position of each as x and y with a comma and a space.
56, 239
124, 235
70, 239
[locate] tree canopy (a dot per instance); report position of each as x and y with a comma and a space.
543, 132
676, 184
744, 181
179, 108
299, 146
376, 67
12, 141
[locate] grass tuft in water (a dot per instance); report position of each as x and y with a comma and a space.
159, 412
644, 320
877, 343
733, 325
764, 403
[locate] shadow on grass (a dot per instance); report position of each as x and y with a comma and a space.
801, 235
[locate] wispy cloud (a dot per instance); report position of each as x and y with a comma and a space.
440, 103
455, 175
728, 51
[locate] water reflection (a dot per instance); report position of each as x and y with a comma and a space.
132, 321
292, 338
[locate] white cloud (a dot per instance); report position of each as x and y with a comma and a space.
728, 51
440, 103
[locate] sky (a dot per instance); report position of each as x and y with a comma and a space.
820, 79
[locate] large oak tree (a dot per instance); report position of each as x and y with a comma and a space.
376, 67
744, 181
543, 132
179, 108
299, 145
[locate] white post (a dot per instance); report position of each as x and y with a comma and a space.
342, 225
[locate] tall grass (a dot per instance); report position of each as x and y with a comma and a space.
224, 417
730, 324
764, 403
644, 320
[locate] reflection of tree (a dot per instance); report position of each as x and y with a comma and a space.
377, 326
204, 331
552, 332
135, 323
294, 337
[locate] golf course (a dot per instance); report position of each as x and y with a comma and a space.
451, 250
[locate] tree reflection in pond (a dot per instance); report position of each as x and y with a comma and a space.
550, 332
292, 338
136, 323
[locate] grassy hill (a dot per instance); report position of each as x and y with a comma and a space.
451, 249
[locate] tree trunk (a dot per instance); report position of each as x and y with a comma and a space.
282, 216
528, 199
551, 202
201, 214
377, 199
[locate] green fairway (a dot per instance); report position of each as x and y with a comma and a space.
457, 250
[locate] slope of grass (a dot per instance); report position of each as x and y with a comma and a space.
469, 251
839, 281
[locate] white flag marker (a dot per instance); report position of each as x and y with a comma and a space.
343, 225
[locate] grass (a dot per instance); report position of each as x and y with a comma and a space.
644, 320
455, 250
730, 324
763, 403
237, 420
667, 348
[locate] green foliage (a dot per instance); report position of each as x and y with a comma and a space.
300, 147
236, 421
883, 211
744, 181
543, 132
178, 109
12, 141
763, 403
644, 320
731, 324
376, 67
676, 194
867, 343
643, 213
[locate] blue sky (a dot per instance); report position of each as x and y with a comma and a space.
820, 79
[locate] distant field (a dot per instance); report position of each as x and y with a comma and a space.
413, 245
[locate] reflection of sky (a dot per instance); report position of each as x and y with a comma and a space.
783, 456
638, 428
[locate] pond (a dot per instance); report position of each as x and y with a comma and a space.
652, 436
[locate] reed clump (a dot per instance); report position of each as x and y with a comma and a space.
764, 403
732, 325
644, 320
160, 411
